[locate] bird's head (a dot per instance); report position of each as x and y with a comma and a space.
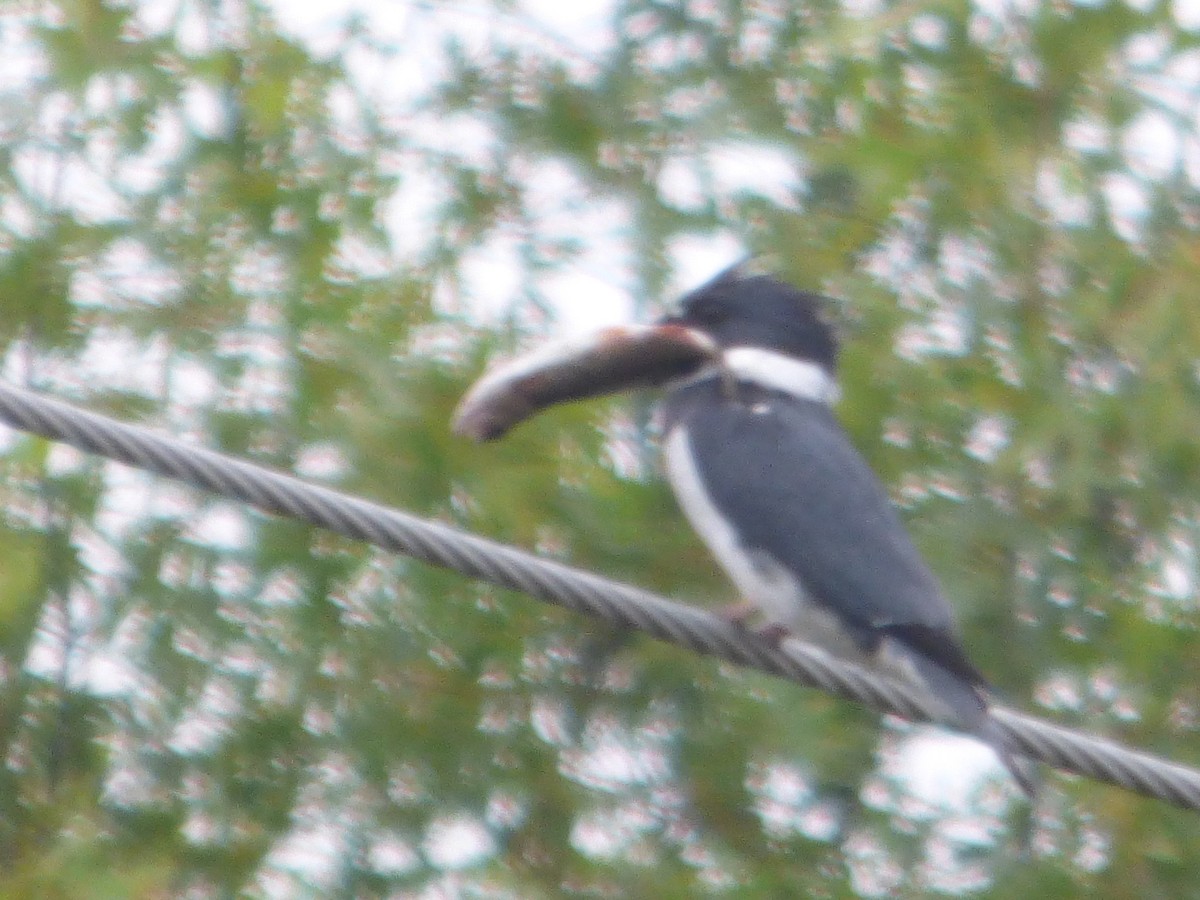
739, 310
752, 327
767, 332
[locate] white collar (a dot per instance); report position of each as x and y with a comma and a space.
803, 379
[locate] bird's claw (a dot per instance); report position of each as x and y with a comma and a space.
737, 613
773, 634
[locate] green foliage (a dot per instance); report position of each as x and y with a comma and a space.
209, 226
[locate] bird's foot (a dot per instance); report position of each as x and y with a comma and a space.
737, 613
773, 634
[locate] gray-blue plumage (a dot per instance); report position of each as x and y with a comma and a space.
788, 506
783, 470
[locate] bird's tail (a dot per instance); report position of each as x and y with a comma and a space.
969, 709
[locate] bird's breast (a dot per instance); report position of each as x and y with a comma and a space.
758, 576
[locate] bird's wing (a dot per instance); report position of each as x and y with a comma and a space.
825, 517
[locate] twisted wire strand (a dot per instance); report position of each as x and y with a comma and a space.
552, 582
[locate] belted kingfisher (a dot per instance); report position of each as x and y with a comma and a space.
770, 481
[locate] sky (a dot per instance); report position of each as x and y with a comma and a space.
597, 288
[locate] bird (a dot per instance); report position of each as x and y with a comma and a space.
768, 478
790, 509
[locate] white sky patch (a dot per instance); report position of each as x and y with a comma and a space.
944, 770
63, 461
555, 198
357, 257
1186, 14
202, 727
311, 854
965, 258
66, 182
132, 496
204, 110
988, 437
550, 721
585, 302
943, 333
103, 559
325, 461
1087, 134
192, 29
17, 218
573, 33
259, 269
873, 868
591, 288
1059, 691
1191, 159
122, 361
864, 9
391, 854
1128, 204
1151, 146
126, 261
319, 26
608, 833
396, 81
410, 214
615, 760
946, 869
696, 258
930, 31
586, 24
407, 58
594, 286
1170, 83
191, 387
349, 128
458, 842
664, 52
221, 525
1005, 11
1177, 567
1147, 49
45, 655
782, 798
759, 169
144, 171
490, 277
506, 810
465, 137
155, 17
1066, 206
127, 783
681, 185
22, 63
1182, 73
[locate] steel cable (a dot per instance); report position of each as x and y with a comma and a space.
552, 582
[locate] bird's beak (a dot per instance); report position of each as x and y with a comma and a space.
613, 359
